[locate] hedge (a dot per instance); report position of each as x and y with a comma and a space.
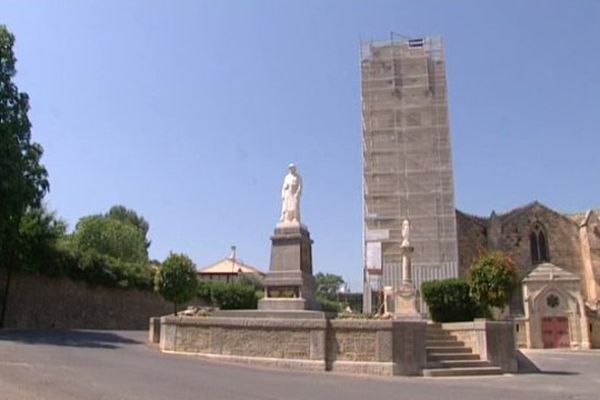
449, 300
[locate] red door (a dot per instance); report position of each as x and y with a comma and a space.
555, 332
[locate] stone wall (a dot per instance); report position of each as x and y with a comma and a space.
471, 238
356, 346
376, 347
594, 329
294, 343
39, 302
520, 332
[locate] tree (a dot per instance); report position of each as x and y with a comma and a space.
23, 179
126, 215
493, 279
110, 237
39, 246
110, 252
328, 285
176, 279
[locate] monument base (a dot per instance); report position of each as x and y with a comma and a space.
282, 304
405, 303
289, 284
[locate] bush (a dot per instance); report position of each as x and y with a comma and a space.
493, 279
449, 300
329, 305
228, 296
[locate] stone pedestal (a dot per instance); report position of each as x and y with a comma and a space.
289, 284
405, 297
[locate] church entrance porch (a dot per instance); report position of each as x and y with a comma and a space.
555, 332
555, 314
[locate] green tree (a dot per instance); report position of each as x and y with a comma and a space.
176, 279
126, 215
110, 237
328, 285
40, 247
493, 279
23, 179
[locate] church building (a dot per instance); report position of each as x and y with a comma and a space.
558, 256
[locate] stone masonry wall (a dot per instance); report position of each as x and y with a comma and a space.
356, 346
298, 343
39, 302
472, 239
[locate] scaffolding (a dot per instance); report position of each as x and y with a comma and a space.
407, 164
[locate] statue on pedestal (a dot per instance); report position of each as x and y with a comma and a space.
289, 284
290, 196
405, 233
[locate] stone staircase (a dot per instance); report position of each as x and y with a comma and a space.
447, 356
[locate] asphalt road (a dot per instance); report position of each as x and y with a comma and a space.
117, 365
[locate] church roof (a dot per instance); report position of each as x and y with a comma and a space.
582, 218
230, 265
578, 218
548, 272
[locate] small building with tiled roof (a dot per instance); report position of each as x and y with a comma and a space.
229, 269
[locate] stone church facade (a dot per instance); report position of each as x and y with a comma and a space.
558, 256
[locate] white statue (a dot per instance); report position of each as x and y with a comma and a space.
290, 196
405, 233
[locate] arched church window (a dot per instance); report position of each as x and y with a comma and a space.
538, 245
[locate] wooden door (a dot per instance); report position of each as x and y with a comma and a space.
555, 332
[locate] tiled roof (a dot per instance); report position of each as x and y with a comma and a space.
230, 265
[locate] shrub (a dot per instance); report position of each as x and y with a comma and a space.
329, 305
228, 296
449, 300
493, 279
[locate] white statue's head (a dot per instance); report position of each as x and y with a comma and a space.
292, 168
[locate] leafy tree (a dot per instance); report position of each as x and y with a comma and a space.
493, 279
328, 285
23, 180
176, 280
40, 247
111, 250
110, 237
449, 300
126, 215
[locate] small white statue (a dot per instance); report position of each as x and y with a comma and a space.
290, 196
405, 233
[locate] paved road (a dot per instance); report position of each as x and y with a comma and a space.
120, 365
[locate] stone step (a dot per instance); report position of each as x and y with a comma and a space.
472, 371
444, 343
448, 349
439, 335
452, 356
458, 363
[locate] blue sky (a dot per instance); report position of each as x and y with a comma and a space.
189, 111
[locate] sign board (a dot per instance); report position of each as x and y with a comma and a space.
374, 260
376, 235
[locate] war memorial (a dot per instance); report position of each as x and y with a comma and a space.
288, 330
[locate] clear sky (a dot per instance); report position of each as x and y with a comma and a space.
189, 111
